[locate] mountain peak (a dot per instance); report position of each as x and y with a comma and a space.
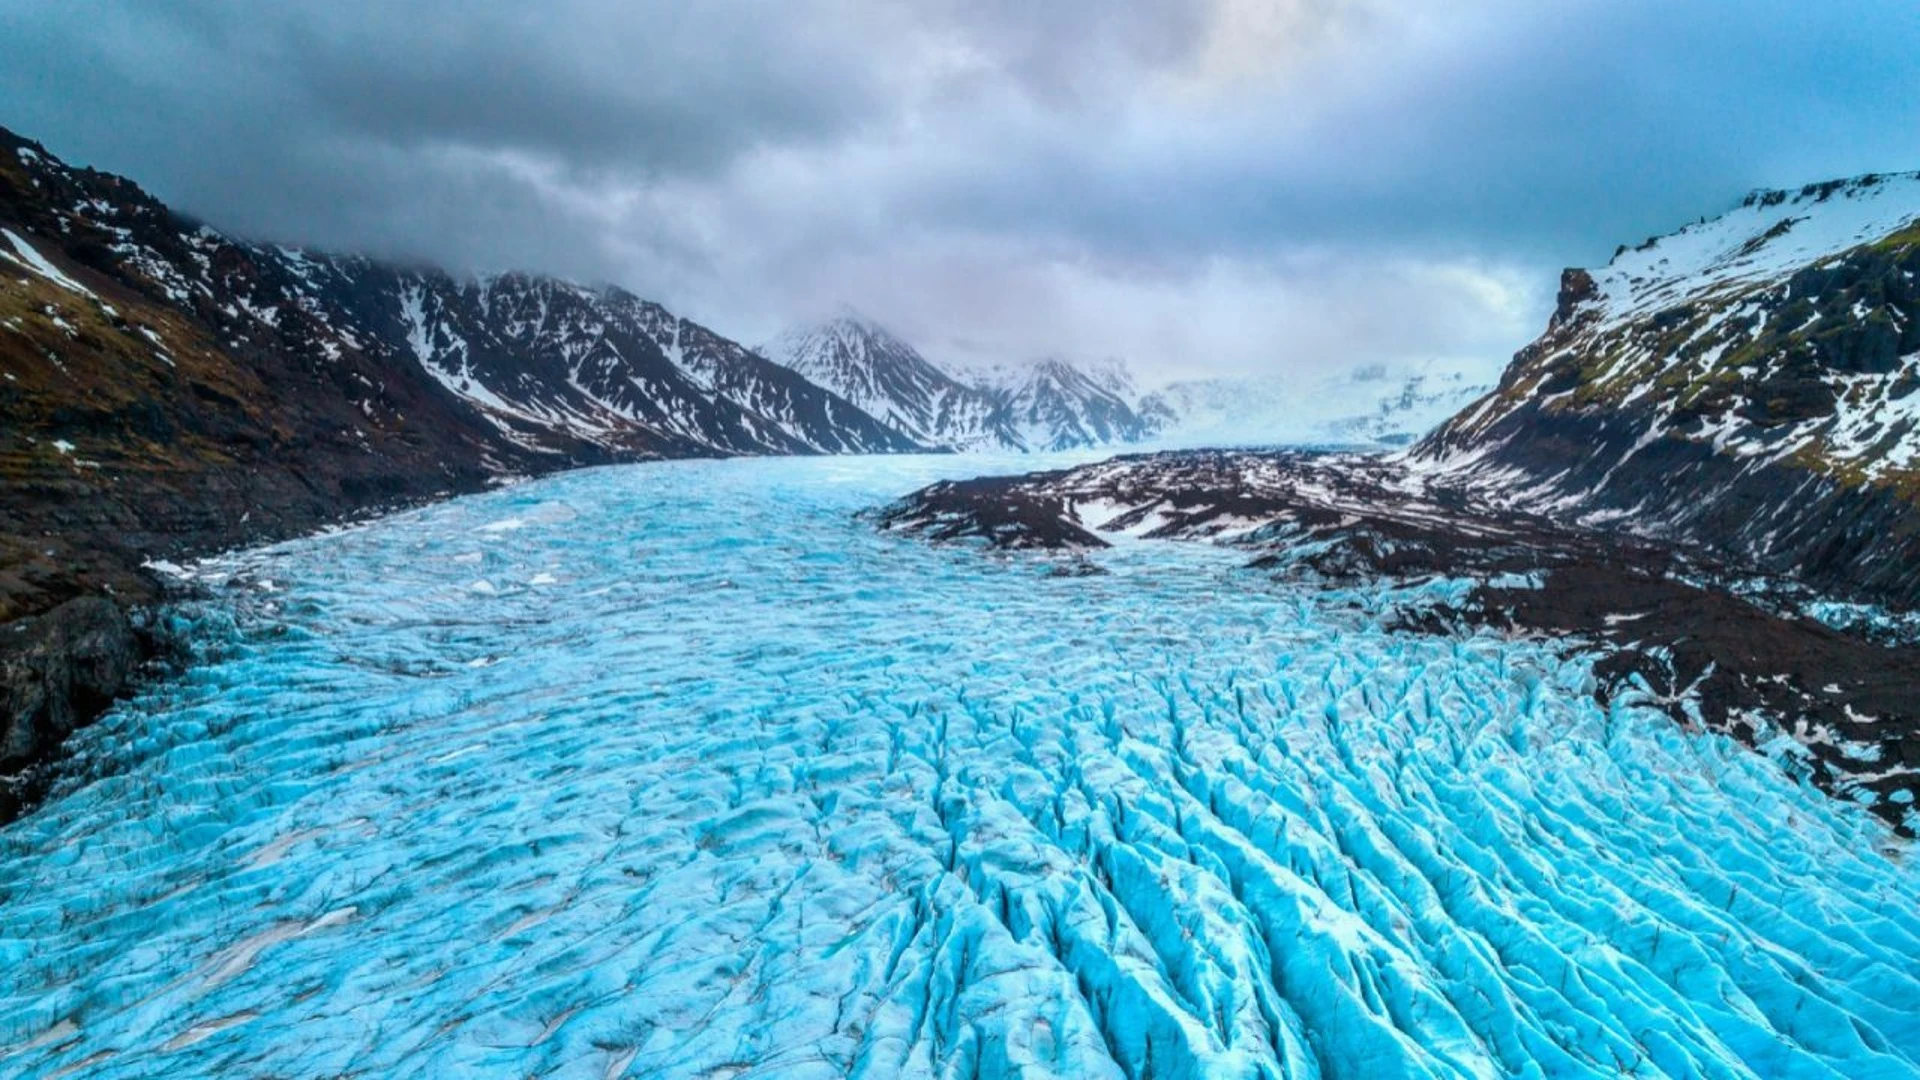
870, 366
1770, 233
1745, 382
1051, 403
851, 324
846, 314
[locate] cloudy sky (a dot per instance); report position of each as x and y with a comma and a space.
1202, 186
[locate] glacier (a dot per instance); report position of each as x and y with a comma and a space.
684, 769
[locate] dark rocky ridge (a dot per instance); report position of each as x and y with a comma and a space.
1738, 394
57, 672
1701, 638
167, 391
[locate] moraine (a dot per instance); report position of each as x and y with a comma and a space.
685, 770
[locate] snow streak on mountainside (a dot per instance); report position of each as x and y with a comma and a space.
550, 369
874, 369
1748, 383
534, 353
1369, 406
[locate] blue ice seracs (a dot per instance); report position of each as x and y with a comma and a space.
680, 770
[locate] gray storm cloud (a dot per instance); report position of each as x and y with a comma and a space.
1224, 186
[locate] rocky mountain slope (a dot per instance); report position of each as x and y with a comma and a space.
876, 370
1747, 384
1055, 404
1048, 404
545, 360
166, 389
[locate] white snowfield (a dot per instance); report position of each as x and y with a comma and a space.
1770, 235
1373, 405
716, 780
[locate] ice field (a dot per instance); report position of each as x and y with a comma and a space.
681, 770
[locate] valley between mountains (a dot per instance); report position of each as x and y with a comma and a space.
1566, 725
171, 391
1707, 467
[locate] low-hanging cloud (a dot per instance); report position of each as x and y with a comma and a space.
1200, 185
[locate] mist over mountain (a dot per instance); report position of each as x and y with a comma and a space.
1210, 188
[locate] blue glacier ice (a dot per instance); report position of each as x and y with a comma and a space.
680, 770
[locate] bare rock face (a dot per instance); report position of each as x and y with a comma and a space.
58, 672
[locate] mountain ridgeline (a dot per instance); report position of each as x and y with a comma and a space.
1715, 439
1051, 404
1749, 384
170, 390
148, 357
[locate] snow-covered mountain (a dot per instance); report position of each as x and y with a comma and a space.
536, 355
1405, 408
1748, 383
1371, 405
1056, 404
1047, 404
169, 390
873, 368
531, 367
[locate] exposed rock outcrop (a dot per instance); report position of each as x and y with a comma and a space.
58, 671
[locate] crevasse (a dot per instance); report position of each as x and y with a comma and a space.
680, 770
